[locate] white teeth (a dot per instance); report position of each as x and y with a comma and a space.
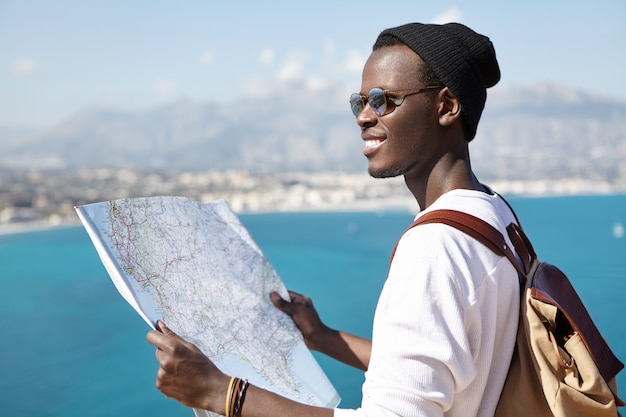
371, 143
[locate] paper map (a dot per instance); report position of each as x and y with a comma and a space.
196, 267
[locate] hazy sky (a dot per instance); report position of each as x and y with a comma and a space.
59, 57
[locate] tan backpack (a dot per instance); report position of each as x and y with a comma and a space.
561, 365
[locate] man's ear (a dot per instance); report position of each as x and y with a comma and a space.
449, 107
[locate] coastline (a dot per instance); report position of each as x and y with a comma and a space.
32, 201
379, 205
34, 226
393, 204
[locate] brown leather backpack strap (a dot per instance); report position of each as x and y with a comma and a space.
473, 226
522, 245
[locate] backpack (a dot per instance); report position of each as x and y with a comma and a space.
561, 364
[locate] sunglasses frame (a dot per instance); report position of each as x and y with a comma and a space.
397, 99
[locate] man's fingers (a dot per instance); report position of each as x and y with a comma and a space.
163, 337
298, 304
294, 294
169, 333
157, 338
163, 328
287, 307
278, 301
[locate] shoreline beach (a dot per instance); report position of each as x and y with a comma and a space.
374, 205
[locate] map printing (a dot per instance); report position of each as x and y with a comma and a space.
195, 267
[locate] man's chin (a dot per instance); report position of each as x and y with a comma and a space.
383, 173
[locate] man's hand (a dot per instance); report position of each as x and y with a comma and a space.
304, 315
188, 376
345, 347
185, 373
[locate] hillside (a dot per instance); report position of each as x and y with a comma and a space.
532, 132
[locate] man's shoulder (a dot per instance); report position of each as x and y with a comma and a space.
491, 208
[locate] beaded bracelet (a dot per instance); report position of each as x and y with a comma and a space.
235, 396
241, 396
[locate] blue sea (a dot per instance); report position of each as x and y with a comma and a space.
71, 346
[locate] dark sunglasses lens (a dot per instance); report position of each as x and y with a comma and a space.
356, 104
377, 101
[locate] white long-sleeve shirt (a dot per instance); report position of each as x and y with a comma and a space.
446, 320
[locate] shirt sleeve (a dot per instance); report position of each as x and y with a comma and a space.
425, 332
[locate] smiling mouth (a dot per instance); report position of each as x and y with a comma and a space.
373, 143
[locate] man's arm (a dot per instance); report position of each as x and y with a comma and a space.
188, 376
344, 347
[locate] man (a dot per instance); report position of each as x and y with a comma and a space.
446, 321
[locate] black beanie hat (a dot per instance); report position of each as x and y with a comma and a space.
462, 59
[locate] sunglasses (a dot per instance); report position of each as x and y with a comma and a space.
383, 102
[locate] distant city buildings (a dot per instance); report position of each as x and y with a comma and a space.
41, 198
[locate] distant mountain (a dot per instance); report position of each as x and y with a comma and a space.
542, 131
551, 132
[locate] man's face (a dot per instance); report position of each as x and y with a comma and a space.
404, 141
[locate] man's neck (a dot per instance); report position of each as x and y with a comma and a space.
442, 179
